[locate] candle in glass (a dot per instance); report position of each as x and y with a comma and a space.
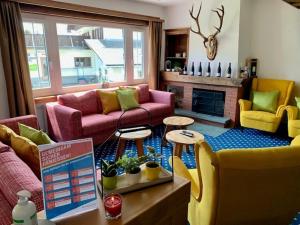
113, 206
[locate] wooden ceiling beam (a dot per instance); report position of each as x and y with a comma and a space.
295, 3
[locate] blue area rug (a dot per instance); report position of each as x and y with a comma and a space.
233, 138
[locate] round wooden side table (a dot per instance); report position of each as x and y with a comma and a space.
180, 140
137, 136
175, 122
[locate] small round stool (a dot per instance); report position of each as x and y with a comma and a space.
179, 140
137, 136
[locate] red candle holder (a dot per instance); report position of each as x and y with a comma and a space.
113, 206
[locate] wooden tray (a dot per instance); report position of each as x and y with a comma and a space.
123, 187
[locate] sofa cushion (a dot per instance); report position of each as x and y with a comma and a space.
131, 117
86, 102
27, 151
144, 95
93, 124
37, 136
5, 211
109, 101
157, 109
5, 133
4, 148
259, 116
127, 99
16, 176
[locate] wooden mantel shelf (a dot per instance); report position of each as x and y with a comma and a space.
216, 81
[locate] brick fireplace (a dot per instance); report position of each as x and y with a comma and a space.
232, 89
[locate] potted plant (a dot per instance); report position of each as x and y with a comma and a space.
109, 174
153, 168
131, 165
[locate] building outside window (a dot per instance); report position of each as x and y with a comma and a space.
82, 55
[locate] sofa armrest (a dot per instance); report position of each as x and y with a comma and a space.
245, 105
163, 97
29, 120
292, 112
65, 122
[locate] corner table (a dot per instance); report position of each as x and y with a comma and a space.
179, 140
165, 204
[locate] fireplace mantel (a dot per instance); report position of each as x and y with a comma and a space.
216, 81
233, 88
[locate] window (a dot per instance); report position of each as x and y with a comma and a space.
82, 54
37, 55
138, 55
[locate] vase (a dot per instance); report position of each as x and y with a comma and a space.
152, 171
110, 183
133, 178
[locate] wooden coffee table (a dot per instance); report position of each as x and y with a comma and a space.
180, 140
175, 122
137, 136
165, 204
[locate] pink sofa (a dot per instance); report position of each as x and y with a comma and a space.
79, 115
16, 175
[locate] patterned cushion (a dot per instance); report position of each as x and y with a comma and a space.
144, 95
93, 124
16, 176
86, 102
5, 211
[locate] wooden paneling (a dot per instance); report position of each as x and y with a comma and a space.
295, 3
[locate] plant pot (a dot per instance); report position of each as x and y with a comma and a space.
110, 183
133, 178
152, 170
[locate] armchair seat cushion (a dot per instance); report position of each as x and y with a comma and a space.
294, 124
95, 123
259, 116
131, 117
157, 109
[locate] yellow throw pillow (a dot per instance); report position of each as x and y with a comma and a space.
27, 151
136, 92
109, 101
5, 133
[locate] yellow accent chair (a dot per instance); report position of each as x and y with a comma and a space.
243, 186
266, 121
293, 121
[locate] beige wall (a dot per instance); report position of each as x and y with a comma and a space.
178, 16
274, 35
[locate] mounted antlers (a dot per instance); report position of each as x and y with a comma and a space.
210, 42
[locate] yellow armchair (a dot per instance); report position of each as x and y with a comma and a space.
266, 121
293, 121
243, 186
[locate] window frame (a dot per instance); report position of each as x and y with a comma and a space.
51, 39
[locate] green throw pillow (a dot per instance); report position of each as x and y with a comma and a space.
127, 99
265, 101
36, 136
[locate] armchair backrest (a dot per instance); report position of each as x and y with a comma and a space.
285, 87
252, 186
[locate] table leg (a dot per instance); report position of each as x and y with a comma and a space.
140, 147
164, 140
178, 149
121, 148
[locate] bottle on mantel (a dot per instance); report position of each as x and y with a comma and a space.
208, 72
219, 72
184, 70
192, 70
228, 75
200, 70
